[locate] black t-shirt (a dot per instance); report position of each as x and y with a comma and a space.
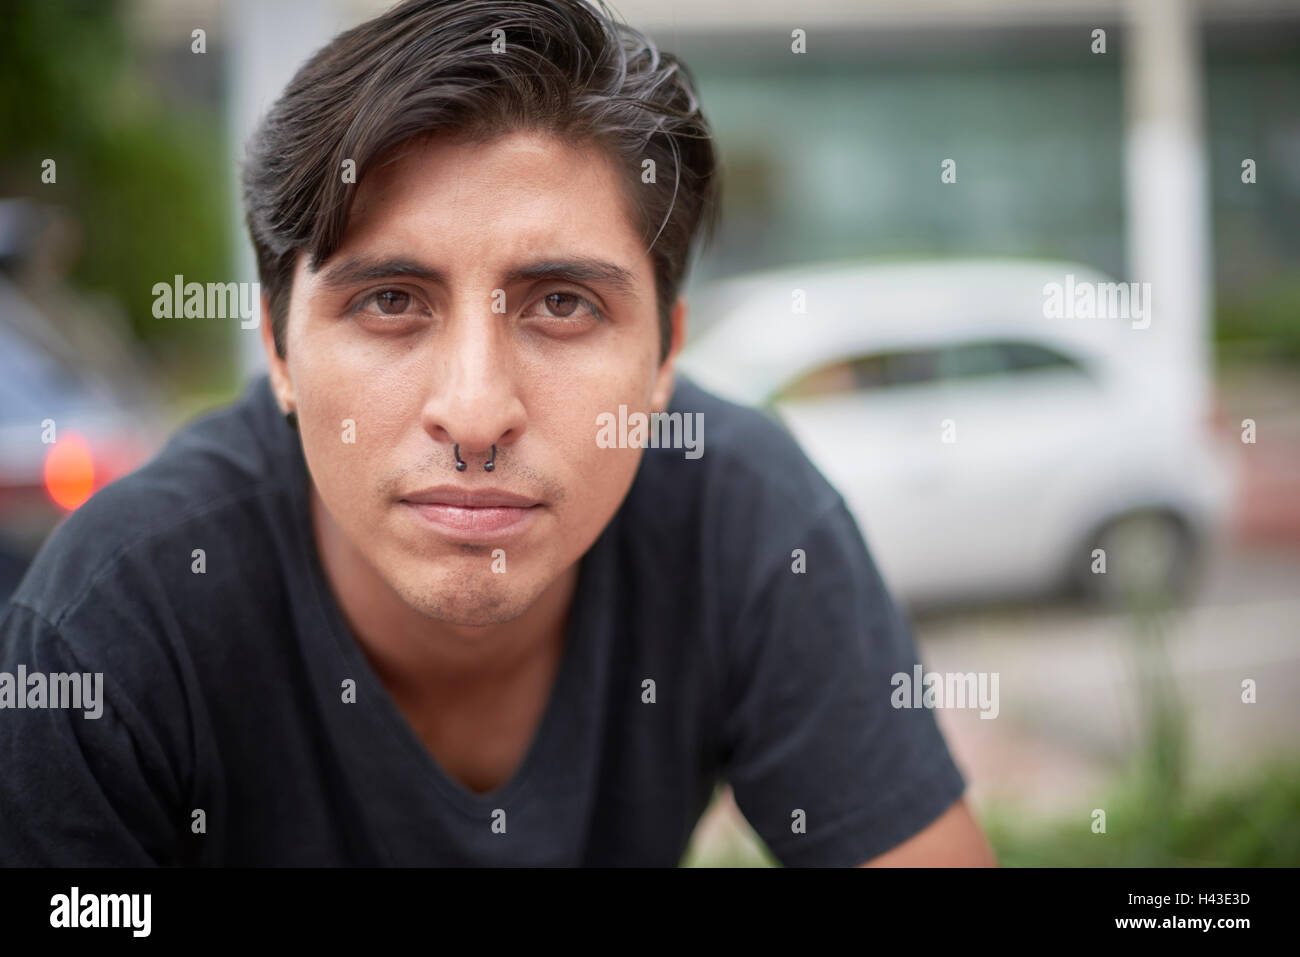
224, 736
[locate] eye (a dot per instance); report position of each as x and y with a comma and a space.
390, 302
565, 305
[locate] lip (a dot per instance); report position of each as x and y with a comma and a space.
469, 498
473, 515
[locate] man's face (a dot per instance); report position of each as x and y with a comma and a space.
439, 322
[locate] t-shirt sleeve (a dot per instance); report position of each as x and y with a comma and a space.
76, 789
822, 765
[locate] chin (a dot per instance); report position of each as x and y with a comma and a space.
467, 600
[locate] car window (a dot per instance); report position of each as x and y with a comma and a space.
883, 370
871, 371
973, 359
1028, 356
1000, 357
910, 368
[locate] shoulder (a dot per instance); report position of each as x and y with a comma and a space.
131, 532
743, 445
112, 594
749, 494
729, 532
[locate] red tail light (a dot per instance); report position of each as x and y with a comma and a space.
70, 471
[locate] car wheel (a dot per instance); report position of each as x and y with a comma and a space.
1148, 556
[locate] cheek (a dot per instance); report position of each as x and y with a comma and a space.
595, 478
331, 446
347, 418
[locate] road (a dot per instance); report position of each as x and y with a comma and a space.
1071, 708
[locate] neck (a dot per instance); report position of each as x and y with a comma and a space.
411, 651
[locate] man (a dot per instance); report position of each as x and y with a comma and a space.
412, 599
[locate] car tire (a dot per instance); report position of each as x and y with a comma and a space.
1150, 556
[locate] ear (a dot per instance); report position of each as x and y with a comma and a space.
281, 384
663, 390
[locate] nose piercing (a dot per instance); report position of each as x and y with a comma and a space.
488, 466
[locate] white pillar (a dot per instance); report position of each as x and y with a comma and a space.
269, 40
1167, 191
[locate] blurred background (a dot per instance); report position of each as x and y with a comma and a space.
1102, 510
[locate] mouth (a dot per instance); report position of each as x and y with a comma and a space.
473, 516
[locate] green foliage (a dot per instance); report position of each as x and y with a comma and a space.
1254, 823
146, 182
1267, 319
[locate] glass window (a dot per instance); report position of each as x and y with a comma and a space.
1023, 356
866, 372
883, 370
1000, 357
973, 359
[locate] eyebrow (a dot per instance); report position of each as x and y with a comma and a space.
579, 269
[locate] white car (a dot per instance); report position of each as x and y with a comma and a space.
985, 450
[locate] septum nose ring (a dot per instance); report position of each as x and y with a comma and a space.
488, 466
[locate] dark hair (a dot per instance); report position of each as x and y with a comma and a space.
427, 66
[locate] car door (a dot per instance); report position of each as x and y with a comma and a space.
951, 457
1025, 421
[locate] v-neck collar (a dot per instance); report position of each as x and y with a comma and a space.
563, 695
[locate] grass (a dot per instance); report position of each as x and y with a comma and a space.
1252, 823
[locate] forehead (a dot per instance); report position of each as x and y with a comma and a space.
514, 195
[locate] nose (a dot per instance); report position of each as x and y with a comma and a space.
474, 407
